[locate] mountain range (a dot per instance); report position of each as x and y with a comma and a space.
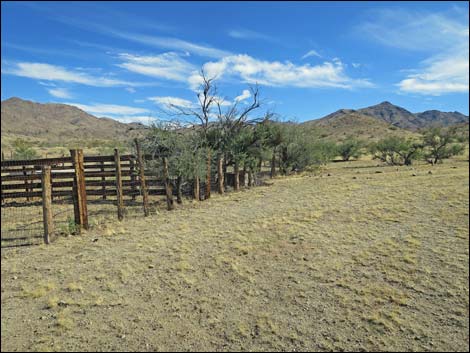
60, 122
402, 118
56, 123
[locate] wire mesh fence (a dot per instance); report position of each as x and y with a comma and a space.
103, 180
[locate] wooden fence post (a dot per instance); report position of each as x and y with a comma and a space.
168, 188
26, 186
207, 191
47, 204
143, 186
119, 201
79, 190
220, 174
103, 184
237, 176
133, 178
196, 192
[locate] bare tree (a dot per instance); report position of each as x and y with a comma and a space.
217, 123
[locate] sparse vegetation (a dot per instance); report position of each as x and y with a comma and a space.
441, 144
23, 149
350, 148
396, 150
353, 261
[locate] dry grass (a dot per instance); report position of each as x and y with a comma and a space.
357, 260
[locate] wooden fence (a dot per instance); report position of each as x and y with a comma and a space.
79, 177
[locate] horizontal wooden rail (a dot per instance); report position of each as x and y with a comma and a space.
41, 161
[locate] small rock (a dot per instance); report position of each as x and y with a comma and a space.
94, 239
429, 172
414, 174
354, 177
151, 266
123, 336
14, 277
328, 174
378, 171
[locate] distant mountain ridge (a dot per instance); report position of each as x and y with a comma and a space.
402, 118
59, 122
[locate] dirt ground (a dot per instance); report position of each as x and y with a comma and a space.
365, 258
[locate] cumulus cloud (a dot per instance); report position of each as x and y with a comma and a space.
47, 72
444, 36
168, 101
440, 75
281, 74
143, 119
169, 66
245, 95
110, 109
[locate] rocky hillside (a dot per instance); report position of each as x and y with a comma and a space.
345, 122
388, 116
60, 122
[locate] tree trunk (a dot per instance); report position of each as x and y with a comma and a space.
196, 189
283, 160
220, 174
244, 174
207, 193
179, 193
225, 170
250, 177
237, 176
273, 164
168, 187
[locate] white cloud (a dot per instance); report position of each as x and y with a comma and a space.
222, 101
130, 89
282, 74
110, 109
444, 36
167, 101
59, 92
416, 30
311, 53
245, 95
47, 72
144, 119
169, 66
171, 43
441, 74
356, 65
249, 34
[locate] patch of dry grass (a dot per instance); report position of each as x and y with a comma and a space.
312, 262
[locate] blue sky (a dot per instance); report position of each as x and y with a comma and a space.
128, 60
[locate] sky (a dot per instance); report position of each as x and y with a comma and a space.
130, 60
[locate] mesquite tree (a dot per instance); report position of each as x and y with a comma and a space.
441, 144
175, 152
350, 148
395, 150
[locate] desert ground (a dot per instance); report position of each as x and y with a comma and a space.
353, 257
